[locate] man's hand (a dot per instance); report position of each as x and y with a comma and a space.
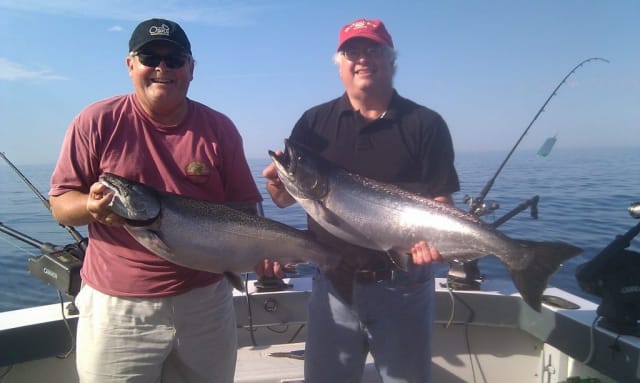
422, 254
279, 194
98, 205
271, 174
269, 269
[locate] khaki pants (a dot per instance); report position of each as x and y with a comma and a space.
186, 338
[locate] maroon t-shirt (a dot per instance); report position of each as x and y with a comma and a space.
201, 158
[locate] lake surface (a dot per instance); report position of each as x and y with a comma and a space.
584, 197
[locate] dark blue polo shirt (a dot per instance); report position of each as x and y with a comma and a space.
410, 146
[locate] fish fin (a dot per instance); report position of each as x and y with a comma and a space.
330, 217
235, 280
400, 259
357, 238
151, 241
544, 258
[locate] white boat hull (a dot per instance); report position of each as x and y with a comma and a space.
479, 336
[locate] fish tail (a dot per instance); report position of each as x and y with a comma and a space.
235, 280
532, 271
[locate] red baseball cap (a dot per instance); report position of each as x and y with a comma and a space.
369, 29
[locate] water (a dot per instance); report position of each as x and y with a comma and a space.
584, 196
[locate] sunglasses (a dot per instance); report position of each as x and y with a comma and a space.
353, 54
172, 60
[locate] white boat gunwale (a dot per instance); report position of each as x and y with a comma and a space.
38, 333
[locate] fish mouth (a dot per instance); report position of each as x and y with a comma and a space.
301, 171
131, 200
114, 184
286, 163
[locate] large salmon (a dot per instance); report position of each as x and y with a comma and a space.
205, 235
384, 217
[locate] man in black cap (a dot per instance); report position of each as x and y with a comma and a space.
142, 318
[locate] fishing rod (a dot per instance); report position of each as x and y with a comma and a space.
72, 230
475, 204
57, 266
42, 246
468, 276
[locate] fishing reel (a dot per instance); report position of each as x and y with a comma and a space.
57, 266
480, 206
614, 275
467, 276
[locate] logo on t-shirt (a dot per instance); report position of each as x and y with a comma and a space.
197, 172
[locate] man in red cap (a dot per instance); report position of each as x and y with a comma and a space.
364, 305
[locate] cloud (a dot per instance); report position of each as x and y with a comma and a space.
11, 71
116, 28
220, 12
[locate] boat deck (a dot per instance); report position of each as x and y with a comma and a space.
281, 363
479, 336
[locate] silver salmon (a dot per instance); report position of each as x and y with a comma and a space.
386, 218
205, 235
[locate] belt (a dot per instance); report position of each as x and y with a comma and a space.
371, 276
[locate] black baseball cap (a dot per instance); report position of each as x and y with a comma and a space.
159, 30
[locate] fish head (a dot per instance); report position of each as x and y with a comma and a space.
132, 201
302, 172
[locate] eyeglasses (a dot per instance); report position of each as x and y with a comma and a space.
353, 54
172, 60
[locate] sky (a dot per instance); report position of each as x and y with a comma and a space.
487, 66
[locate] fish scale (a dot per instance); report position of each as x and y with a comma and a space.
384, 217
208, 236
